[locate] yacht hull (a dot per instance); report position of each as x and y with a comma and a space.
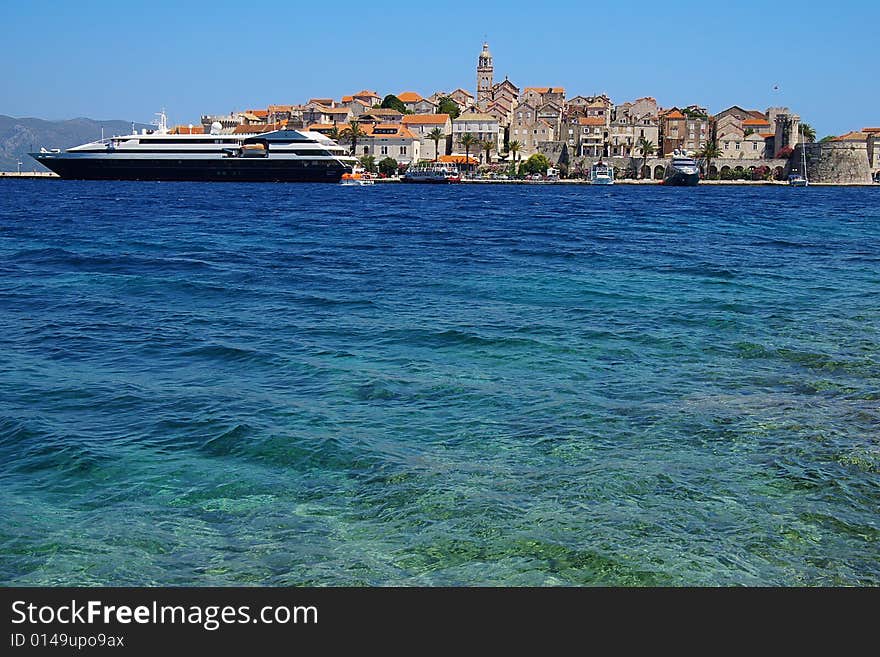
183, 169
676, 178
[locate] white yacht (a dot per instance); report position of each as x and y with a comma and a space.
283, 155
601, 174
682, 170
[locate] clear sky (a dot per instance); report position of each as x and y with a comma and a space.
126, 59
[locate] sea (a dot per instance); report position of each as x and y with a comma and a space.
495, 385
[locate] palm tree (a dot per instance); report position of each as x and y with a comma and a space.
335, 134
647, 147
514, 147
467, 140
709, 152
352, 133
808, 132
488, 146
436, 135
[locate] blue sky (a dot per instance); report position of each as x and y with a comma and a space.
126, 60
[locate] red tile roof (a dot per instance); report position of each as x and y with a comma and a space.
458, 159
425, 119
188, 130
591, 120
852, 136
399, 131
410, 97
674, 114
545, 90
262, 127
756, 122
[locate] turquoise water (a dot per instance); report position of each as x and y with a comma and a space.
221, 384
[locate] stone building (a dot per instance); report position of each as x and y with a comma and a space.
416, 104
630, 123
850, 158
462, 97
743, 147
482, 126
390, 140
538, 96
527, 129
686, 130
421, 125
485, 75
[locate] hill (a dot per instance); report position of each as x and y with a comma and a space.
20, 136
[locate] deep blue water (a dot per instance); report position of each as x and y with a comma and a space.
219, 384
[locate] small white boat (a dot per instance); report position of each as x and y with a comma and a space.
601, 174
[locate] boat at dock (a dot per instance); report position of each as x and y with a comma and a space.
283, 155
682, 170
601, 174
359, 177
432, 172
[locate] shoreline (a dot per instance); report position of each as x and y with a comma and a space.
51, 175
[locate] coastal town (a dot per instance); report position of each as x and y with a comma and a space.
503, 130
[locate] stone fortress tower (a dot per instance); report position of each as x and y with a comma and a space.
485, 74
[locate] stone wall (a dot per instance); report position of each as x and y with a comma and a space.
835, 162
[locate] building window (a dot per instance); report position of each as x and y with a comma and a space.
403, 150
384, 150
755, 146
366, 149
737, 145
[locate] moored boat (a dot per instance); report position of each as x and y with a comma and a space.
432, 172
358, 177
281, 155
682, 170
601, 174
799, 178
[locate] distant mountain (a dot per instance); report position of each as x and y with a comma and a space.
18, 137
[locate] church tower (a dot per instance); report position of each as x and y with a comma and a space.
485, 71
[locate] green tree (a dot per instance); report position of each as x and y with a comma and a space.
448, 106
646, 146
514, 147
368, 162
388, 166
468, 141
488, 146
808, 132
352, 133
335, 134
393, 102
564, 161
709, 152
827, 138
537, 163
436, 135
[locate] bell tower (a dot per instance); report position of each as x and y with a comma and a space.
485, 72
